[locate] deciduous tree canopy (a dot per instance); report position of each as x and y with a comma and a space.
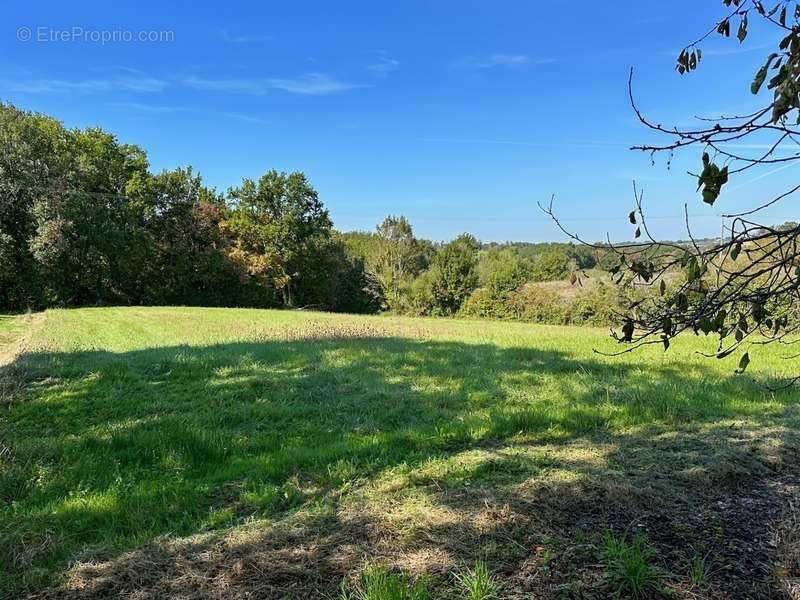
84, 221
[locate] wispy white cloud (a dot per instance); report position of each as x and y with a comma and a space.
384, 65
769, 173
155, 108
231, 85
311, 84
498, 142
250, 38
733, 49
503, 60
130, 80
168, 109
128, 83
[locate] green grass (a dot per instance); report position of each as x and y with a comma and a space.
628, 566
10, 327
478, 583
698, 570
376, 583
137, 423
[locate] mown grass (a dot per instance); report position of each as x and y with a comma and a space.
137, 423
10, 327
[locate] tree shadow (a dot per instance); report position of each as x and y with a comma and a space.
111, 451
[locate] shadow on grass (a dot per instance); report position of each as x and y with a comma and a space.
107, 452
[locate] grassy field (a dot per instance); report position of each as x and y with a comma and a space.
218, 453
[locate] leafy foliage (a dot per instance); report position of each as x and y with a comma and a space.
397, 259
83, 221
278, 223
453, 276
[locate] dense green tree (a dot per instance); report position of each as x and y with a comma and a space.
84, 221
278, 223
583, 256
398, 258
85, 242
181, 220
501, 270
33, 160
551, 266
341, 282
453, 276
360, 244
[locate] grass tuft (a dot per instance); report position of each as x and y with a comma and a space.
478, 583
377, 583
698, 571
628, 568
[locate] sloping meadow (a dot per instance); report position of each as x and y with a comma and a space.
219, 452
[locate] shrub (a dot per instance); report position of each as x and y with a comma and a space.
595, 306
418, 298
502, 270
536, 304
552, 266
484, 304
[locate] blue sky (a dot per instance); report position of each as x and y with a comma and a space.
458, 114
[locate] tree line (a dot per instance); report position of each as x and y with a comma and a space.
463, 277
84, 221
